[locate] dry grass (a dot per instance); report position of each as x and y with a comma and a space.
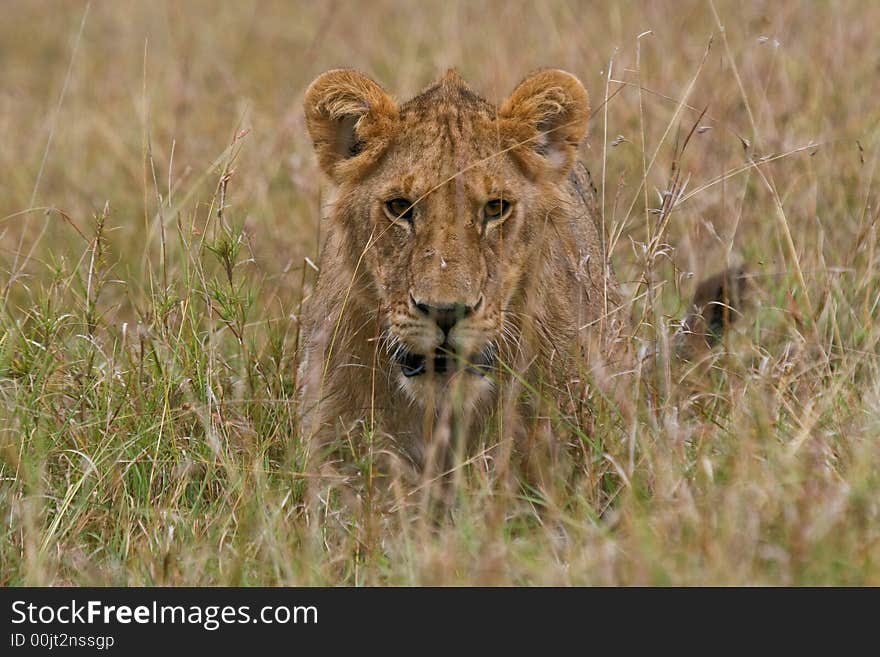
159, 201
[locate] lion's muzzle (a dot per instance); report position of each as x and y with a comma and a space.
445, 360
448, 356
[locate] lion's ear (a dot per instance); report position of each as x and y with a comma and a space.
545, 118
350, 119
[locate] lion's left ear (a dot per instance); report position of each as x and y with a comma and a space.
546, 118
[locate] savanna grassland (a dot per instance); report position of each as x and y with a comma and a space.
160, 214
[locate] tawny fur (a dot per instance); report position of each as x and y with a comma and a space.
542, 283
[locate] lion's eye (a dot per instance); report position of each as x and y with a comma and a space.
496, 209
399, 208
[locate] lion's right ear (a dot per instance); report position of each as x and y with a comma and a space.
350, 119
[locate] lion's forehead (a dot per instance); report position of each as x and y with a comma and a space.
448, 157
448, 132
447, 186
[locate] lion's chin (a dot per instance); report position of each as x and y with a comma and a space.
444, 373
461, 387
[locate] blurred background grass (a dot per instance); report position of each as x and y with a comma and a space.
147, 393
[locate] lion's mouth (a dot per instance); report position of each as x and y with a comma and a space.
444, 361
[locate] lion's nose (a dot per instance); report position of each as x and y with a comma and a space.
446, 315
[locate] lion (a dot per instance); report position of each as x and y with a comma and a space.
462, 264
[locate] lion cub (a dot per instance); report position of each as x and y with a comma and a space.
462, 263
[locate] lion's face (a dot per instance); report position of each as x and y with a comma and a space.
445, 199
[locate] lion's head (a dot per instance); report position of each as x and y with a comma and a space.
445, 198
